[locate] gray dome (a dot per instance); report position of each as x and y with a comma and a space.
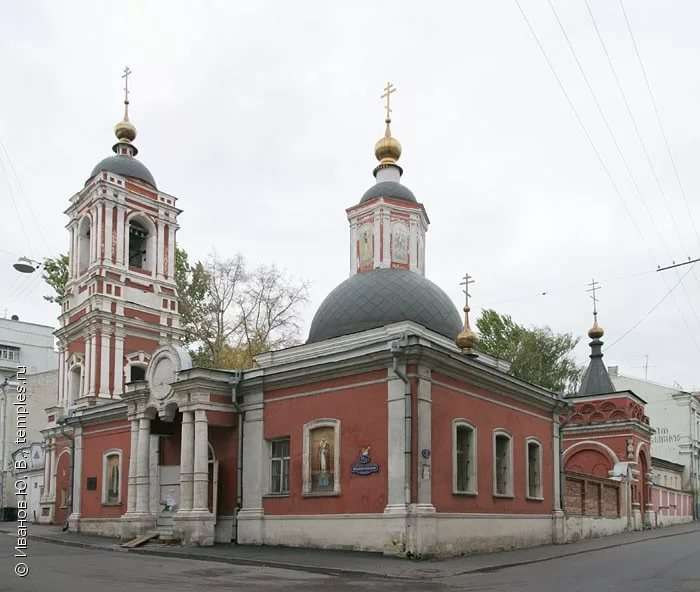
389, 189
126, 166
381, 297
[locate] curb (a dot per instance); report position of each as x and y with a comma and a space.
333, 571
494, 568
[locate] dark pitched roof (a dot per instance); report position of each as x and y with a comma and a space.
596, 380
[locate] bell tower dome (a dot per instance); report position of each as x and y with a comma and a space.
388, 226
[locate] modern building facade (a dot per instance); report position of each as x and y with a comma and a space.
27, 360
675, 416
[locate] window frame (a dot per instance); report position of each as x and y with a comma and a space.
473, 472
105, 455
306, 465
282, 459
540, 452
494, 461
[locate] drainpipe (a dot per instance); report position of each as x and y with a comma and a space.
395, 351
3, 466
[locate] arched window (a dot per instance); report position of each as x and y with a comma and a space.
464, 473
83, 245
141, 244
112, 477
533, 477
502, 464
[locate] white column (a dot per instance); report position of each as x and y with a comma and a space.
93, 363
52, 475
353, 247
77, 470
47, 468
171, 251
396, 495
133, 454
107, 239
200, 486
86, 368
556, 462
142, 466
160, 241
413, 243
377, 239
251, 515
154, 475
386, 229
423, 462
104, 361
120, 236
119, 361
61, 373
186, 461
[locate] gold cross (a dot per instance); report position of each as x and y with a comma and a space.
388, 89
125, 76
467, 280
593, 287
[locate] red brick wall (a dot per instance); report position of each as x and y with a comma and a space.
591, 496
487, 412
362, 411
590, 462
97, 439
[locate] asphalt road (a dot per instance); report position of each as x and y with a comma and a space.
663, 565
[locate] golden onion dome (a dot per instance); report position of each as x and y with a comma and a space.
596, 331
387, 149
467, 339
125, 131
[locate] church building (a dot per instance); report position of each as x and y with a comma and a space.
385, 431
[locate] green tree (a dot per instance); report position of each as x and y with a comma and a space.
55, 274
537, 354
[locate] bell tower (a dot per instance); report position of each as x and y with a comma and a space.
121, 300
388, 226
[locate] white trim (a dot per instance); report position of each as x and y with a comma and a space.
105, 454
328, 390
539, 493
308, 427
590, 443
473, 476
509, 480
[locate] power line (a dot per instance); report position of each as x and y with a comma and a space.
600, 158
658, 120
578, 117
651, 310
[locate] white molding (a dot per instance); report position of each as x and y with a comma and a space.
540, 489
473, 472
589, 443
510, 476
105, 454
308, 428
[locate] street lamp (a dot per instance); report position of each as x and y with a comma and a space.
26, 265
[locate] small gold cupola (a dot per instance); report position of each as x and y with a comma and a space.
387, 149
125, 131
467, 339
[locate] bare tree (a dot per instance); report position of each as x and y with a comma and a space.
241, 314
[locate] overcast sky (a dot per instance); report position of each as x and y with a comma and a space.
262, 116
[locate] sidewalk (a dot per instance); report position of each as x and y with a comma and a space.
355, 563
